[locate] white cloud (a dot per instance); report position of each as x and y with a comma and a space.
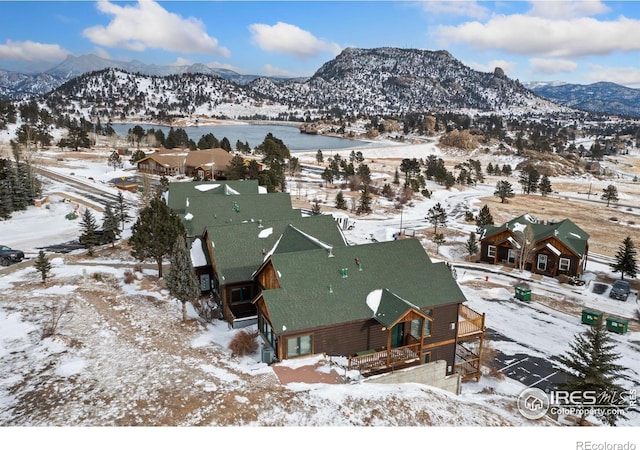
32, 51
456, 7
148, 25
567, 9
219, 65
291, 40
521, 34
626, 76
102, 53
272, 71
551, 66
181, 62
508, 67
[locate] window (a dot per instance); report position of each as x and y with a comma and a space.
427, 323
299, 346
491, 251
267, 331
564, 264
205, 282
542, 262
416, 328
511, 256
241, 294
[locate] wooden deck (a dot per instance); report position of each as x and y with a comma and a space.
385, 359
470, 323
470, 329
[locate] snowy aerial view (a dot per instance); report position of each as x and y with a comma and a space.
274, 217
121, 354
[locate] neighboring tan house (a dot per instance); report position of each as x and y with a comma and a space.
549, 248
209, 164
203, 164
163, 162
383, 306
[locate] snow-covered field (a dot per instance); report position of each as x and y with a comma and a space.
123, 357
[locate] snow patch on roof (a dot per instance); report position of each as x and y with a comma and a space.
265, 233
373, 300
197, 254
553, 249
576, 235
188, 216
262, 190
313, 239
206, 187
230, 191
521, 227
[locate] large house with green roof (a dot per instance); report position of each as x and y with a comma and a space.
236, 251
549, 248
383, 306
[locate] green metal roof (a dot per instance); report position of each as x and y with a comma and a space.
391, 308
240, 249
179, 192
219, 210
565, 231
315, 293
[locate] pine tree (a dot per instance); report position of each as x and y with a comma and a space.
484, 218
110, 224
471, 245
590, 366
115, 161
504, 191
396, 177
437, 216
89, 228
610, 194
315, 209
155, 232
121, 211
489, 169
364, 204
341, 203
626, 262
438, 239
43, 265
545, 186
182, 280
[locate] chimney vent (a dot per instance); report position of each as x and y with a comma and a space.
345, 272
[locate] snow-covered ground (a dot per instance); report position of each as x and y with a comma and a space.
124, 358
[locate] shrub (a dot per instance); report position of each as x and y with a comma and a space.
129, 277
563, 278
244, 343
96, 276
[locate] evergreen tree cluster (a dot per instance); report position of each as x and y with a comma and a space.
19, 187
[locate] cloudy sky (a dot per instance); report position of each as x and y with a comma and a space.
573, 41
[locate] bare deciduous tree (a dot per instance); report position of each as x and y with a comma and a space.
55, 312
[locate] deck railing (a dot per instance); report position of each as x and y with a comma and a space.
470, 322
384, 358
467, 363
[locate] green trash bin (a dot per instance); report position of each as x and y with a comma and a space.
590, 316
523, 292
617, 325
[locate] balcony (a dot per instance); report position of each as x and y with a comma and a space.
383, 360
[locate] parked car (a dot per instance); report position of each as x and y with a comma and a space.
9, 256
620, 290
